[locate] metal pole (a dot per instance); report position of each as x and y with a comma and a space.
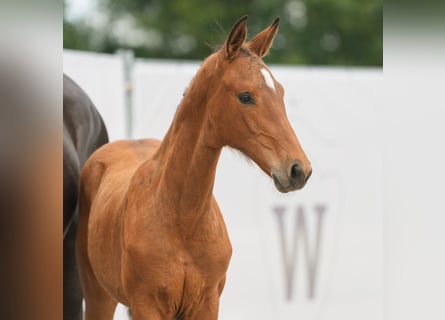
127, 57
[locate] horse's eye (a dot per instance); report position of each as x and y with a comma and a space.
246, 98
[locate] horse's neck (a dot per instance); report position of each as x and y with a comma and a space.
187, 164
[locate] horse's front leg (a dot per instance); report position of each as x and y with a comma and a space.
148, 312
146, 304
208, 310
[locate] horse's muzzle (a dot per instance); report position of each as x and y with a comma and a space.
295, 179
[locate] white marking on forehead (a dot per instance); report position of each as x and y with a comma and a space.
268, 78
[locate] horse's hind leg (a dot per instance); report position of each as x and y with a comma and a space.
98, 304
72, 290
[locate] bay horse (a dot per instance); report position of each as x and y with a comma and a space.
83, 132
151, 234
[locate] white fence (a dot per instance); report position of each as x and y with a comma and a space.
313, 254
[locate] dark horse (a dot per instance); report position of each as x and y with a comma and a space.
83, 132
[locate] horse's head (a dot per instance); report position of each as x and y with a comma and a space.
246, 107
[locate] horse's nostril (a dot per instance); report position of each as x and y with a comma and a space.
296, 173
298, 176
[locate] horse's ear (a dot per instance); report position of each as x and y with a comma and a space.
262, 42
236, 38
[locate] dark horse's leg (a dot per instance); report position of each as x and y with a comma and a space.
72, 291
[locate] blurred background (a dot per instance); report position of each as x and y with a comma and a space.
312, 32
316, 254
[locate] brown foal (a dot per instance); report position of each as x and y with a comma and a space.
151, 235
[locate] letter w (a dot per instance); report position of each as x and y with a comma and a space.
290, 257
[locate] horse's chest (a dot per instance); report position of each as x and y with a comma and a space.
179, 267
197, 261
180, 279
209, 260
